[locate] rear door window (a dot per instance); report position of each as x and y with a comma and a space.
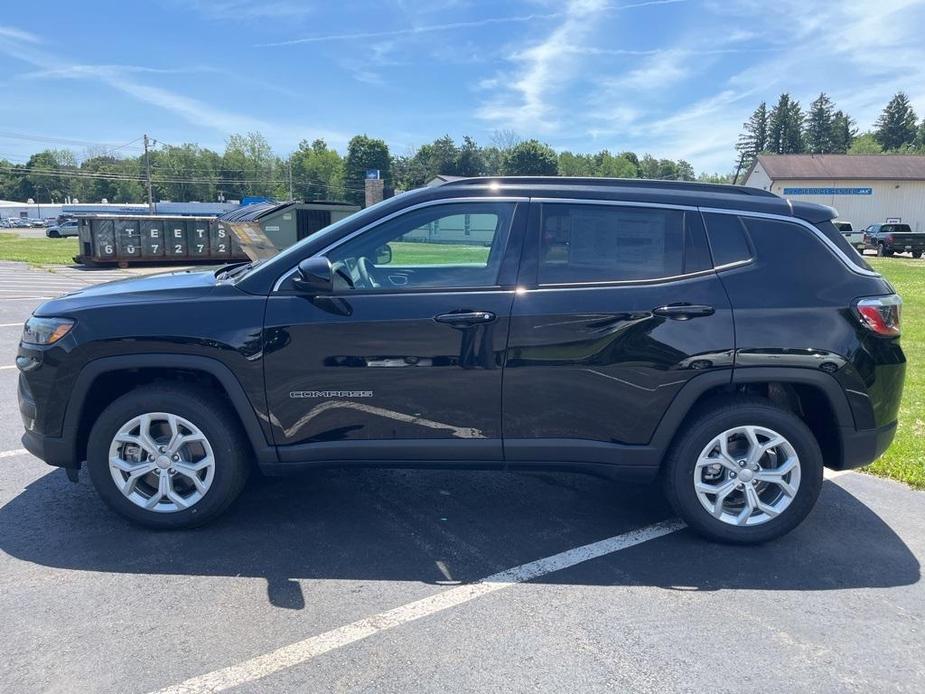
588, 243
729, 240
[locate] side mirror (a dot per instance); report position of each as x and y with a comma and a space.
314, 276
384, 255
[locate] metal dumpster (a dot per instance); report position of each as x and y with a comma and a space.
121, 239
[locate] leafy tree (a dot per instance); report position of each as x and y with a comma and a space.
754, 138
530, 158
98, 188
364, 153
820, 126
648, 167
571, 164
469, 159
896, 127
317, 172
47, 180
865, 143
685, 171
843, 132
249, 165
187, 172
715, 177
9, 181
633, 159
493, 160
785, 127
920, 137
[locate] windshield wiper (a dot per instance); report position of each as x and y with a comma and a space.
234, 271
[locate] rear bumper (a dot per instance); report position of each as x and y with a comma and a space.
863, 447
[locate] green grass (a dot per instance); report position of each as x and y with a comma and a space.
905, 459
38, 251
406, 253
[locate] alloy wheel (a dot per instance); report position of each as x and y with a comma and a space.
747, 475
161, 462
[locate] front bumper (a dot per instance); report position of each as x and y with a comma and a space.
54, 451
862, 447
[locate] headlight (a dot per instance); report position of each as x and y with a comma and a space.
46, 331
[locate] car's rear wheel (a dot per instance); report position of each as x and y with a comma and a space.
167, 456
54, 235
744, 471
916, 254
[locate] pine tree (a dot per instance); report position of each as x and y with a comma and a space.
820, 126
754, 138
896, 127
785, 127
843, 132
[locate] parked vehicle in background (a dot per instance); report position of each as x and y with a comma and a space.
62, 230
855, 238
37, 223
888, 239
646, 329
17, 223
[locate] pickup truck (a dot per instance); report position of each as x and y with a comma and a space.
888, 239
855, 238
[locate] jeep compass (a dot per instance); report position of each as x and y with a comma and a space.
720, 339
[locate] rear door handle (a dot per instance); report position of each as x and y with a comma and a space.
462, 318
683, 311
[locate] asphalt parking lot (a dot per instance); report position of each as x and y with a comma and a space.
410, 581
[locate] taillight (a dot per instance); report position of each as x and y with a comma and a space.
881, 314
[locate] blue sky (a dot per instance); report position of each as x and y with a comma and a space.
672, 77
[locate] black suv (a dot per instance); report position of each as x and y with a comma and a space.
721, 338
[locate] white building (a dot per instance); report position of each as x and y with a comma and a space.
864, 188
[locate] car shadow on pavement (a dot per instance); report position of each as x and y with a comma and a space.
446, 527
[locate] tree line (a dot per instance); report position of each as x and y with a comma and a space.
786, 128
314, 171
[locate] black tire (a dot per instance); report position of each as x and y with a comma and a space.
53, 235
678, 469
916, 254
883, 251
208, 413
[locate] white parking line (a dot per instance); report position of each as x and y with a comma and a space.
303, 651
11, 325
11, 366
10, 454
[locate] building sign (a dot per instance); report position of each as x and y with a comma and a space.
372, 174
828, 191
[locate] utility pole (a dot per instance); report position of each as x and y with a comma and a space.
290, 178
148, 177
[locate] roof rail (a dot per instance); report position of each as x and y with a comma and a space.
613, 182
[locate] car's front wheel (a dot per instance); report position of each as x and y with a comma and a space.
167, 456
744, 471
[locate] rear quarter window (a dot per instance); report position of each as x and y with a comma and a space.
829, 230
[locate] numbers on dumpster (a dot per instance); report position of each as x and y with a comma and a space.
152, 233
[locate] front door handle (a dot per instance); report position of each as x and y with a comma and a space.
683, 311
463, 318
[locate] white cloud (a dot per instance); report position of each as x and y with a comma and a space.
15, 34
660, 70
545, 67
411, 31
246, 10
195, 111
